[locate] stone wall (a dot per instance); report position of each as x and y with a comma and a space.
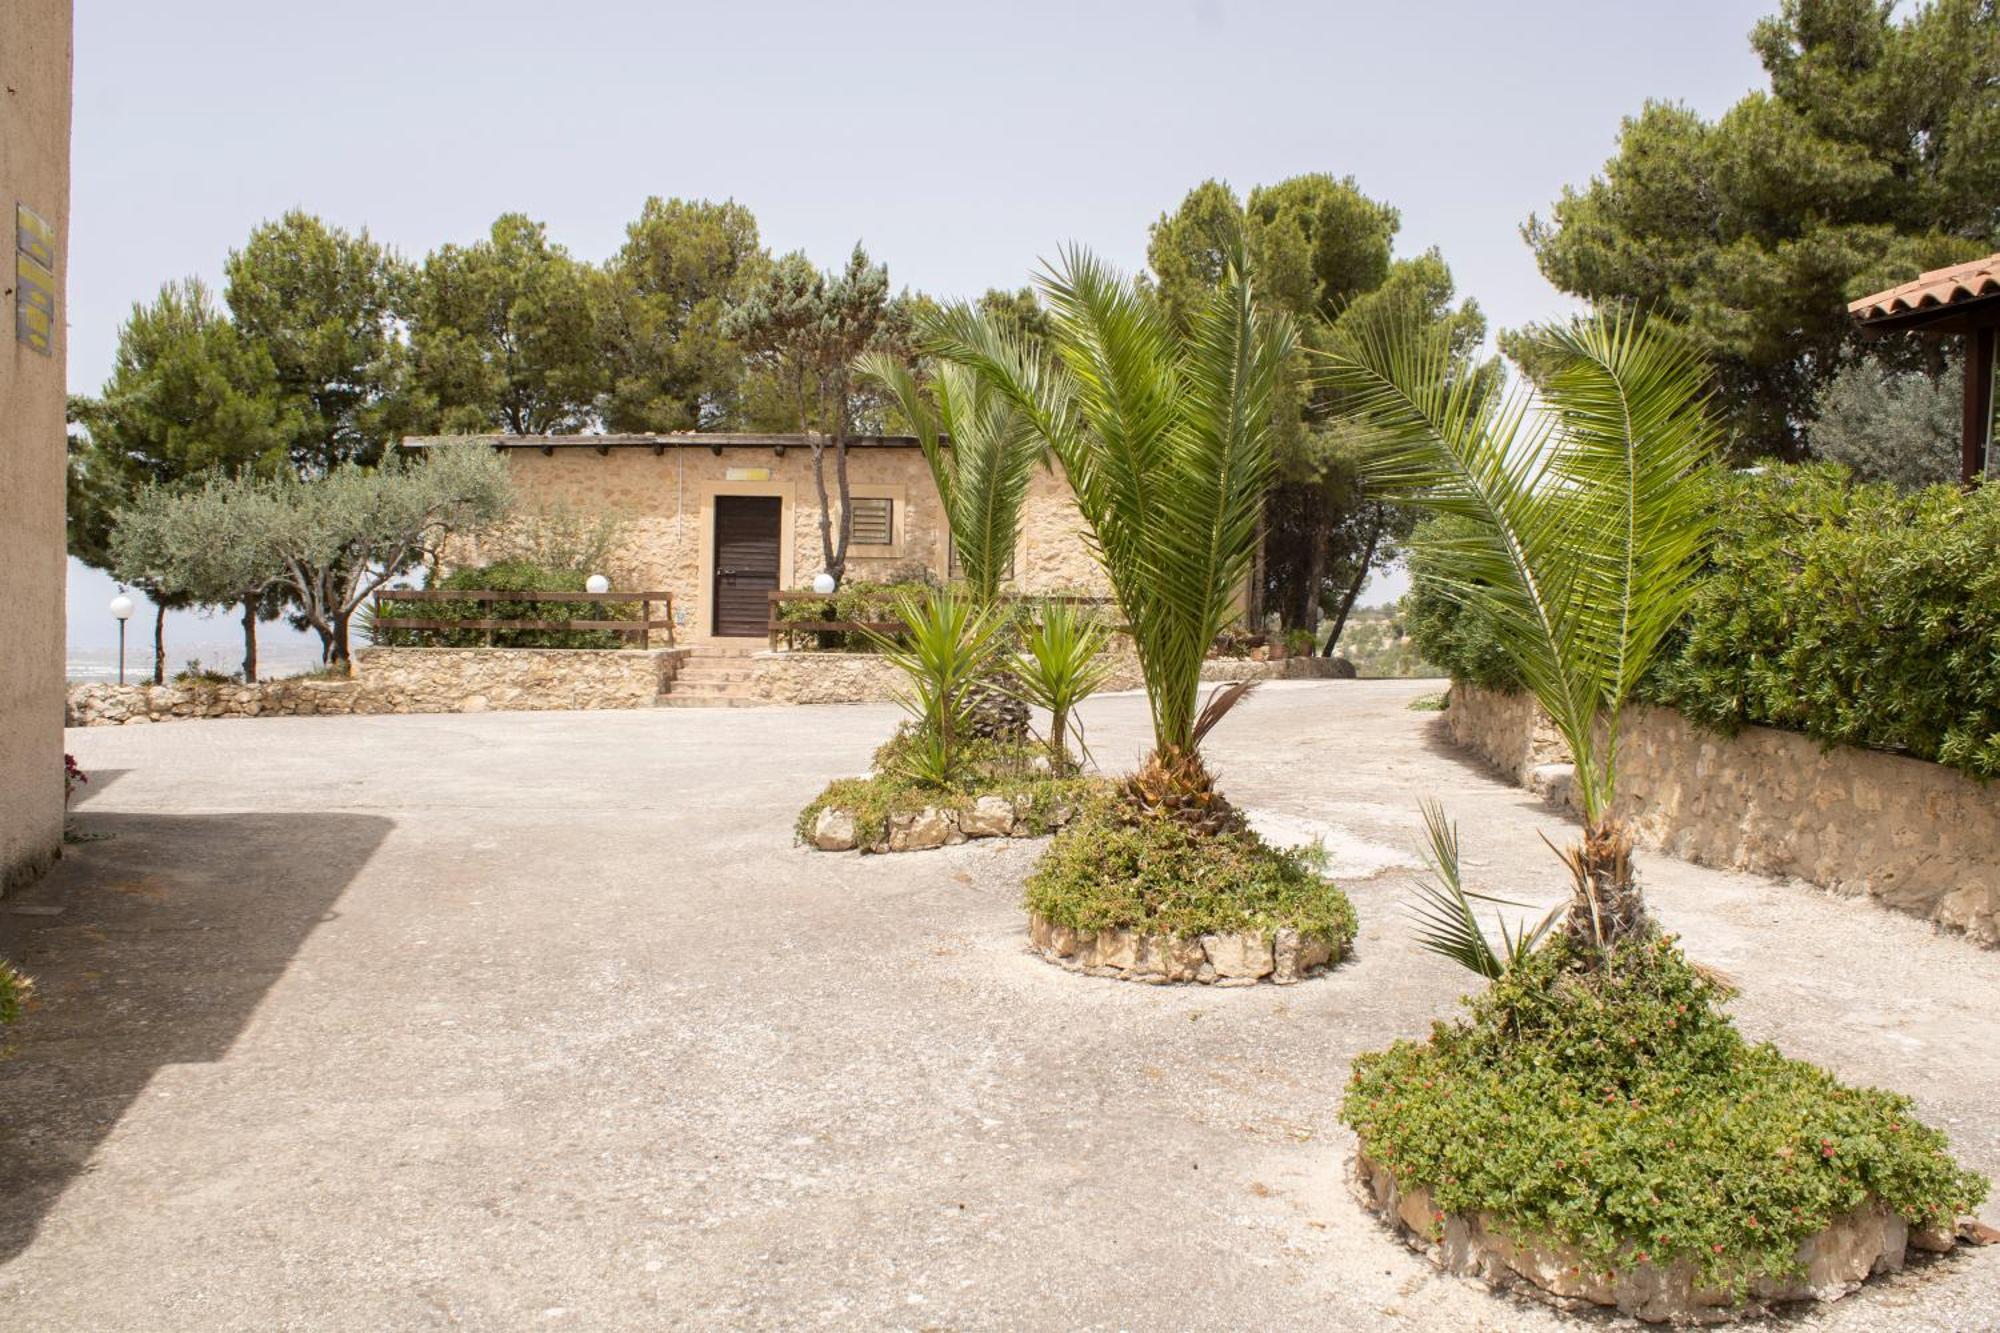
850, 678
402, 680
34, 175
1916, 836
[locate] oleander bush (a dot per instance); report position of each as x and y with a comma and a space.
1117, 867
1854, 613
523, 576
1618, 1109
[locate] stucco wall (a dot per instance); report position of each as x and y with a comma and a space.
34, 171
402, 680
1917, 836
667, 500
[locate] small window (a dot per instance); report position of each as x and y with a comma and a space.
874, 520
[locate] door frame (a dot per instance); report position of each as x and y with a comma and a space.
785, 494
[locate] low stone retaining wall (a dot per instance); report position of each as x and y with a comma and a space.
1219, 960
938, 826
1916, 836
1871, 1239
848, 678
402, 680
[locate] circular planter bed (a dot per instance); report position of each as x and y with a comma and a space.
1595, 1131
836, 828
1866, 1240
1147, 898
1235, 958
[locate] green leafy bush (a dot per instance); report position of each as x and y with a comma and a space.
1457, 638
506, 576
1857, 614
859, 601
1113, 868
1620, 1110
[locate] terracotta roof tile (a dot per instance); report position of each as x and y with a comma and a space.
1939, 287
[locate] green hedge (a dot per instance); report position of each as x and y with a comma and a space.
506, 576
1857, 614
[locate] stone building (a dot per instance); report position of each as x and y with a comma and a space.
721, 520
34, 189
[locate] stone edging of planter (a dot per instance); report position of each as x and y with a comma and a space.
1871, 1239
1241, 959
834, 830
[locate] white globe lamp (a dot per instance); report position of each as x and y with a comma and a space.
597, 583
823, 584
121, 611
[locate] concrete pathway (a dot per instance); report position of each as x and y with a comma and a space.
540, 1021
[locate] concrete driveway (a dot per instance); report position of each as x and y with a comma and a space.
540, 1021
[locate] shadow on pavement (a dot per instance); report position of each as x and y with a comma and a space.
149, 945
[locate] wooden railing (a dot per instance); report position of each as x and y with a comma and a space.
642, 628
777, 628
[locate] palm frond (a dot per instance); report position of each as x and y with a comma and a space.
1446, 922
1584, 539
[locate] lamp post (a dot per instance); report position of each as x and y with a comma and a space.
121, 611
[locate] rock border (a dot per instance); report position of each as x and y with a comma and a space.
990, 816
1237, 959
1871, 1239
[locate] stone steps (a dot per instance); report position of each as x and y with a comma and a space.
713, 676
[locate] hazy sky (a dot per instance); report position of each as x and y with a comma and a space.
960, 142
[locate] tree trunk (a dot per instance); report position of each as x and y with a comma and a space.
839, 566
1253, 605
340, 655
1322, 533
250, 639
159, 644
825, 512
1353, 589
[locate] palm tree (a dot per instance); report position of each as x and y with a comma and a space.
1166, 439
1588, 530
982, 454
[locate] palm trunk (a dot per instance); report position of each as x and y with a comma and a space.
1606, 906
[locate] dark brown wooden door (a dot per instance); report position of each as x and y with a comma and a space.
747, 534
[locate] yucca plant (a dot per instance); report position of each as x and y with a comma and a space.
1061, 664
1587, 530
947, 647
1166, 440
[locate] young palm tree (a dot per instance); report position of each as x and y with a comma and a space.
982, 453
1588, 530
1166, 438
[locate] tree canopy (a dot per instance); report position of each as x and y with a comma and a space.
1322, 253
322, 302
503, 335
1874, 155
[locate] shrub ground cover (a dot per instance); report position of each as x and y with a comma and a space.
1116, 868
988, 769
1619, 1109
